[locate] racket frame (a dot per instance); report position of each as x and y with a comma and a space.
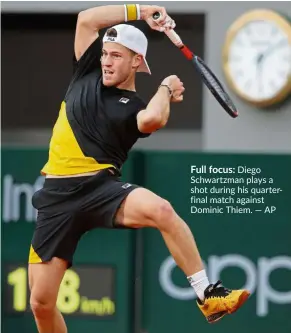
177, 41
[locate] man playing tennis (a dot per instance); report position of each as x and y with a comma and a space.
100, 119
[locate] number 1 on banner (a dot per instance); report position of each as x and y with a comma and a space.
18, 280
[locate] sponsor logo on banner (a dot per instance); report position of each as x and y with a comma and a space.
257, 278
16, 199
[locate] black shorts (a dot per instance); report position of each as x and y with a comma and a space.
69, 207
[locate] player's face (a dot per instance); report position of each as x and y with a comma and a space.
118, 64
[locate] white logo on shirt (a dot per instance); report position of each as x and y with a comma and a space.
123, 100
125, 186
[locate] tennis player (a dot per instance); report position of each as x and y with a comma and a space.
100, 119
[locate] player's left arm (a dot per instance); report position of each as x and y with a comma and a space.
157, 113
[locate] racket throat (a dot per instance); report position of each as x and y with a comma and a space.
187, 53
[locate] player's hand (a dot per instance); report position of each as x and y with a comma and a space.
177, 87
163, 23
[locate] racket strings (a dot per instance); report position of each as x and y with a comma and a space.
213, 81
214, 85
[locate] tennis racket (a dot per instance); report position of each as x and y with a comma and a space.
208, 77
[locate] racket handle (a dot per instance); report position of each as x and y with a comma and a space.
173, 36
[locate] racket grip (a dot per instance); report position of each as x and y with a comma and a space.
174, 37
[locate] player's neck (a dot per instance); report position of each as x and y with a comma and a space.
128, 84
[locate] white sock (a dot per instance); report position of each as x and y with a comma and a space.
199, 282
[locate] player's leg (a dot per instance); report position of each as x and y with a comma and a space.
142, 208
44, 283
56, 235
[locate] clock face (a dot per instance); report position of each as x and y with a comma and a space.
259, 60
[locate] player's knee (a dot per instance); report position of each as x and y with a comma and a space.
41, 306
163, 214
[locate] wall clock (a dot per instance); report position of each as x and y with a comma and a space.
257, 57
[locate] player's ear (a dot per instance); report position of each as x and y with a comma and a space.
137, 60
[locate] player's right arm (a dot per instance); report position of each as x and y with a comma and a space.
157, 113
90, 21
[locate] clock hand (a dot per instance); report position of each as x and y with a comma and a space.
272, 48
260, 57
259, 72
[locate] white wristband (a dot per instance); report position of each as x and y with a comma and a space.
138, 11
125, 13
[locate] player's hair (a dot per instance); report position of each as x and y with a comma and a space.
111, 32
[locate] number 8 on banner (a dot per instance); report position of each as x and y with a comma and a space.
69, 298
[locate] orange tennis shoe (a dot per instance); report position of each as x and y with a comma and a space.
220, 301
